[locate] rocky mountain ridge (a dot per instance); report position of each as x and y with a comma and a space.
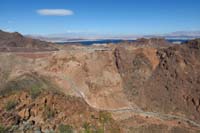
10, 42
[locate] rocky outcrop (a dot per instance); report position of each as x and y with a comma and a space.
46, 113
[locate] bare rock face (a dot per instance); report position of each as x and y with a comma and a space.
163, 82
174, 86
135, 67
92, 75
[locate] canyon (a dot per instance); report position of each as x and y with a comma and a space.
147, 86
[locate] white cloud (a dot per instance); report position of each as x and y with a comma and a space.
55, 12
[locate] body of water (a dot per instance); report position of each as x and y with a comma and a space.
92, 42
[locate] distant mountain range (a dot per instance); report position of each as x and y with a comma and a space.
76, 37
180, 35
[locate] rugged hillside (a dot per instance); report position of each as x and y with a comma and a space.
168, 83
10, 42
175, 82
114, 88
170, 76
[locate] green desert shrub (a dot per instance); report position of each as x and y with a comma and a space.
65, 129
11, 105
87, 127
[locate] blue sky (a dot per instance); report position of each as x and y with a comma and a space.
100, 16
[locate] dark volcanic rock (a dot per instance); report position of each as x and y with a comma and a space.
15, 42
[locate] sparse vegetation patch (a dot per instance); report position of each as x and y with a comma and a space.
11, 105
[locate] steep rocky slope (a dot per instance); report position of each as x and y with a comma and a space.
175, 82
169, 75
170, 85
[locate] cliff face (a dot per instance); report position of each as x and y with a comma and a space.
114, 88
